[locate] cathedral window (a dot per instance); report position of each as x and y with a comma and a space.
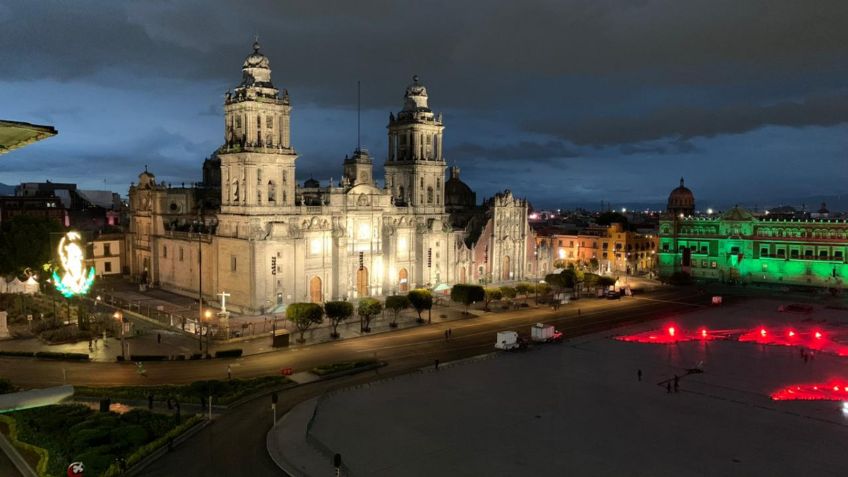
238, 122
182, 254
285, 177
422, 182
272, 192
268, 141
429, 195
164, 252
259, 122
233, 263
285, 198
269, 122
438, 184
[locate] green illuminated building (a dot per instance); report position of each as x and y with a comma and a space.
736, 246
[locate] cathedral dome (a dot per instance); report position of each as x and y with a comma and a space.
416, 96
681, 200
457, 193
256, 59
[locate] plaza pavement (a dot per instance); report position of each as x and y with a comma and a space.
578, 409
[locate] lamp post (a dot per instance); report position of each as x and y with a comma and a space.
208, 316
120, 317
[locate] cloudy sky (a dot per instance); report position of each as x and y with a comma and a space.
563, 101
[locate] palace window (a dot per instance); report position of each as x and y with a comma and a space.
838, 254
734, 249
808, 253
713, 264
823, 254
764, 252
781, 252
794, 253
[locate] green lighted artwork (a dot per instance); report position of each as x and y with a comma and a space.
76, 279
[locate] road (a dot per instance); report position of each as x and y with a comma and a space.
235, 443
420, 346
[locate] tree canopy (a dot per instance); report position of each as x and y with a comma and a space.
421, 299
396, 303
304, 316
467, 294
369, 308
337, 312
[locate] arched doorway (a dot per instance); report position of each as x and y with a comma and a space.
362, 281
403, 280
505, 268
462, 277
315, 292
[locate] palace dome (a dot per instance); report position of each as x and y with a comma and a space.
681, 200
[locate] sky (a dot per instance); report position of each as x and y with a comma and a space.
565, 102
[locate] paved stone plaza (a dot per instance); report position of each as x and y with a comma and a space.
578, 409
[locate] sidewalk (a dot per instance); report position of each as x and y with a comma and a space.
289, 434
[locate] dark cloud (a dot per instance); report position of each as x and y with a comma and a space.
688, 122
524, 150
679, 146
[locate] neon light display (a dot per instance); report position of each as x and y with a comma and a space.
818, 338
76, 279
832, 391
673, 334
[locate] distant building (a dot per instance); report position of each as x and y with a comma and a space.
41, 207
88, 210
738, 247
106, 254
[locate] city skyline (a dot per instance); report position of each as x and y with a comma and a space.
602, 109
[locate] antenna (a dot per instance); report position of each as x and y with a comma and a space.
358, 127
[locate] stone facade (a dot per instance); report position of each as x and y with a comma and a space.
273, 241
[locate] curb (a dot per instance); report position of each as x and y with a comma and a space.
17, 459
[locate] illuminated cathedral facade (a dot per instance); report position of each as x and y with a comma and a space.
253, 231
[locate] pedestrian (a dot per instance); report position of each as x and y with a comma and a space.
446, 335
90, 345
159, 338
450, 332
676, 383
578, 312
668, 387
437, 364
150, 401
229, 372
639, 375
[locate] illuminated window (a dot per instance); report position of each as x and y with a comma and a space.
363, 232
315, 246
713, 264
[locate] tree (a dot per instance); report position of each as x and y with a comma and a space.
543, 288
593, 264
555, 280
492, 294
396, 303
369, 308
421, 299
523, 289
467, 294
304, 315
25, 243
508, 292
337, 312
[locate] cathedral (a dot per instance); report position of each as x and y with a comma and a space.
252, 231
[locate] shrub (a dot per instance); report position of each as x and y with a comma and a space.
492, 294
421, 300
396, 303
55, 355
229, 353
304, 315
26, 354
467, 294
369, 308
337, 312
148, 357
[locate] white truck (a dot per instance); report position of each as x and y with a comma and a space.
542, 333
507, 340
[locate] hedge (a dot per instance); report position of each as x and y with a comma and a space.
43, 455
229, 353
328, 369
148, 357
55, 355
25, 354
151, 447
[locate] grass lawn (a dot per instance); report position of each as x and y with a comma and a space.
74, 432
223, 391
326, 369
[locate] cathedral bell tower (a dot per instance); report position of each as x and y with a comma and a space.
257, 159
415, 167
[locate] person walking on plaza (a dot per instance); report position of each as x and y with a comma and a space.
450, 332
578, 312
159, 338
446, 335
639, 375
229, 372
437, 364
676, 384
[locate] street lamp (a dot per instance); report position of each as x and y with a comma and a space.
208, 315
120, 317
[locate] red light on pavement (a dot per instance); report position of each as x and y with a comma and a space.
671, 331
791, 333
834, 391
818, 335
763, 332
703, 332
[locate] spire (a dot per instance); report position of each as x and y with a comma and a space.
256, 43
681, 181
